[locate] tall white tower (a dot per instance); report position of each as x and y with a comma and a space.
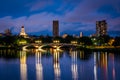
81, 34
22, 33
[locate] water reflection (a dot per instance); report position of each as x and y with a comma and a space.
74, 67
95, 66
23, 65
101, 62
56, 56
111, 55
9, 54
84, 55
39, 68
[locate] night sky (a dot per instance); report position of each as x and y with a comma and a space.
74, 16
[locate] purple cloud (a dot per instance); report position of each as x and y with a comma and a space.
40, 4
5, 23
114, 24
33, 23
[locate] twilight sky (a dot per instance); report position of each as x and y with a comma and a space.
74, 16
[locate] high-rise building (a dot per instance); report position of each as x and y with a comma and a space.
55, 28
101, 28
22, 33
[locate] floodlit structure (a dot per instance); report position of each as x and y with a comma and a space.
22, 33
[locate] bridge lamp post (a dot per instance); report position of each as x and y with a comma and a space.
56, 44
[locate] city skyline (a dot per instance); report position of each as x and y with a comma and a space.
73, 16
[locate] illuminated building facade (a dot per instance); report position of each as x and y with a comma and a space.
55, 28
81, 34
101, 28
22, 33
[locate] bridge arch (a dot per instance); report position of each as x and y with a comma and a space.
52, 45
25, 46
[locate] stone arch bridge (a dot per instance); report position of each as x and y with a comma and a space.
53, 45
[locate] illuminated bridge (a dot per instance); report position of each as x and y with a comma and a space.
52, 45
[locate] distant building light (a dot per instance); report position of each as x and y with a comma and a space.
94, 39
56, 41
81, 34
23, 42
38, 41
64, 35
73, 42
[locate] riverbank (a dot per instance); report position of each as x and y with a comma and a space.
100, 48
94, 48
12, 48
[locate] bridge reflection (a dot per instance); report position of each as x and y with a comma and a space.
78, 67
39, 68
74, 66
23, 65
56, 64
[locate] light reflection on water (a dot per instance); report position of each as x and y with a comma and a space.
95, 66
78, 64
74, 67
39, 68
56, 64
23, 65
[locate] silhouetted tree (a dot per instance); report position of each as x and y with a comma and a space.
9, 40
117, 41
68, 39
85, 40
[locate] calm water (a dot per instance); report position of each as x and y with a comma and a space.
54, 65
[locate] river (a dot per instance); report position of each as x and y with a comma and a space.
59, 65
